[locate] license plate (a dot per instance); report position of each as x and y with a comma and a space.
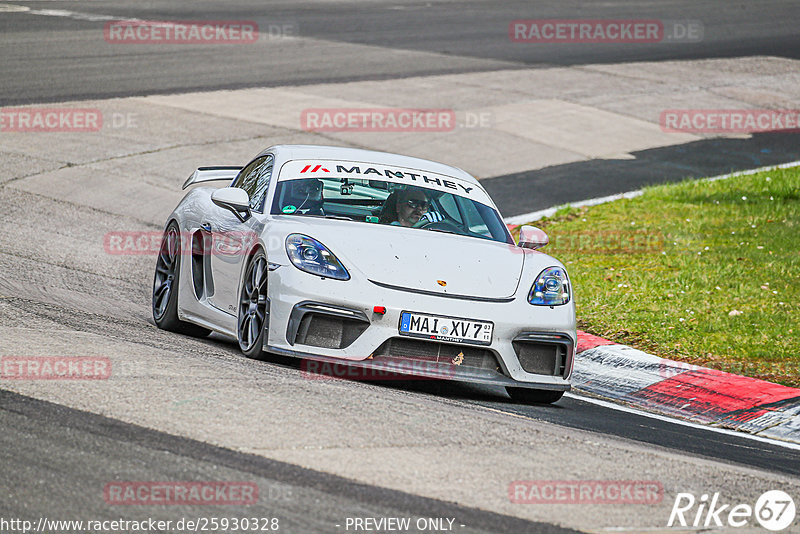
446, 328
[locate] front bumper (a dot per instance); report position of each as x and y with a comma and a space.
531, 345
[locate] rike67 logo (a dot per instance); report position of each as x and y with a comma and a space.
774, 510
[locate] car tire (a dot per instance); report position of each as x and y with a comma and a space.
166, 284
534, 396
253, 312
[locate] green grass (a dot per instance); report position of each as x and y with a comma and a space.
702, 272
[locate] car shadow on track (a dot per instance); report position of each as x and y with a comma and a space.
446, 389
449, 389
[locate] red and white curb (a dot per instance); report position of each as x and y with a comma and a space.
623, 374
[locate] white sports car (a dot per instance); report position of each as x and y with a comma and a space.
376, 260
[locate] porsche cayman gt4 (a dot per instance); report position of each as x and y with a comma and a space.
369, 259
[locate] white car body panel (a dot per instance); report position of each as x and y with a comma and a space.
413, 259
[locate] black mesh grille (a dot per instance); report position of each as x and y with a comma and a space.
542, 358
320, 330
412, 349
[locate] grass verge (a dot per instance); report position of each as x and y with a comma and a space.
705, 272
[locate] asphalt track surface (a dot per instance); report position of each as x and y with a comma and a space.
64, 457
55, 58
97, 449
51, 58
571, 182
574, 412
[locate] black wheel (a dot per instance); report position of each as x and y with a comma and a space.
534, 396
165, 286
253, 308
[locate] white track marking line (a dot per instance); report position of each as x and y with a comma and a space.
536, 215
71, 14
91, 17
745, 435
12, 8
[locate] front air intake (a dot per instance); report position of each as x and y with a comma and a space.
544, 354
326, 331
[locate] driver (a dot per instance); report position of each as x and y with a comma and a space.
404, 207
305, 196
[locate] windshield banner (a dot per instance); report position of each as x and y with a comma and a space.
304, 169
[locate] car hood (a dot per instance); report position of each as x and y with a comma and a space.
422, 260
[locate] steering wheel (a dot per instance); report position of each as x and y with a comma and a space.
447, 226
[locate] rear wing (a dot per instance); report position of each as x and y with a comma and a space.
210, 174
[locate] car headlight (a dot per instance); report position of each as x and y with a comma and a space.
311, 256
551, 288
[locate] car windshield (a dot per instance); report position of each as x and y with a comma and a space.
388, 203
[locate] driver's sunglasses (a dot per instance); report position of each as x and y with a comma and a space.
418, 204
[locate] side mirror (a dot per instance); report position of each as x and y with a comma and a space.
234, 199
532, 237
